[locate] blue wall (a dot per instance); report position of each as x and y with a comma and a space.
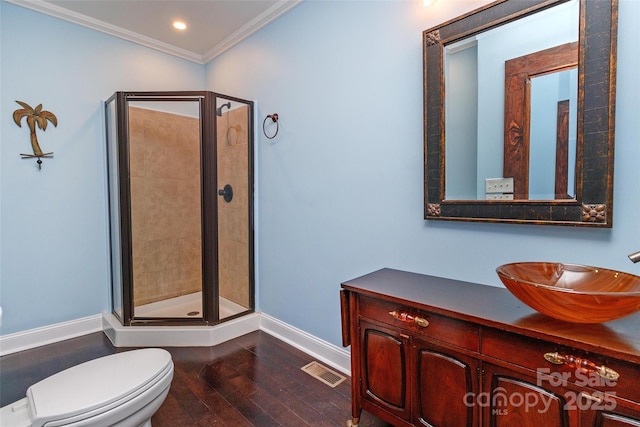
53, 224
339, 188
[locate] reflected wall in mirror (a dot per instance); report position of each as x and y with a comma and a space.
522, 92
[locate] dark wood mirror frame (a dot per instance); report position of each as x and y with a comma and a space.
593, 205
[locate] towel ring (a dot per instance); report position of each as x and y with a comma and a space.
274, 118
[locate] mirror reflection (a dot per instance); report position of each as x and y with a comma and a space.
552, 135
511, 109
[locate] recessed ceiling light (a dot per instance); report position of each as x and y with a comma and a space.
179, 25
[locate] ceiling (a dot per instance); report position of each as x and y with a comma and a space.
213, 26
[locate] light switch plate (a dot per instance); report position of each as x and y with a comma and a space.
498, 185
499, 196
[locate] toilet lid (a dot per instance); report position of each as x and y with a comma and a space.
95, 384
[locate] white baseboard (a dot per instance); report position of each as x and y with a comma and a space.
13, 343
149, 336
324, 351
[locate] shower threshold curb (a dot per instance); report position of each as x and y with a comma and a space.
177, 336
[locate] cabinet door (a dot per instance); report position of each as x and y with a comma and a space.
606, 410
611, 419
513, 399
384, 369
446, 385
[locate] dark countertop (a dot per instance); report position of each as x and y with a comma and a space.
496, 307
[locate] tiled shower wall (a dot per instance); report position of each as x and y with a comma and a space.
165, 205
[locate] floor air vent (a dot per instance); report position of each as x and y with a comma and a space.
324, 374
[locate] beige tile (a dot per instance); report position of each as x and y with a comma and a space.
233, 224
190, 252
138, 208
166, 205
233, 271
160, 255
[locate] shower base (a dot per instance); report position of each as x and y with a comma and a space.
187, 306
177, 336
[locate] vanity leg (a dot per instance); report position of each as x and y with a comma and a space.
351, 330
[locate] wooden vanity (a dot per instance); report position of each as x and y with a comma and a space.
429, 351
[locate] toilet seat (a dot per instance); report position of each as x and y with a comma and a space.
103, 385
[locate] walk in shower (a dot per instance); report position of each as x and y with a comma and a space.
180, 177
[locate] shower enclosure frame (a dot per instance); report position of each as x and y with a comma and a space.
209, 197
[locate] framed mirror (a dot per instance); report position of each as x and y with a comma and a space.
519, 107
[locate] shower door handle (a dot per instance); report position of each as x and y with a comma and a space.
226, 193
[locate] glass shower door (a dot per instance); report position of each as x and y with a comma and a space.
166, 208
115, 230
180, 170
234, 127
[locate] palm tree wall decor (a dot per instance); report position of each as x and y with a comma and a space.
35, 116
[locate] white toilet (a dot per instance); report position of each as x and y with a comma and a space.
123, 389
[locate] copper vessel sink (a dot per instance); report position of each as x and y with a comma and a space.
573, 293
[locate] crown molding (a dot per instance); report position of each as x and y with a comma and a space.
254, 25
260, 21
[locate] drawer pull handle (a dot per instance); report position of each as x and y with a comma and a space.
587, 365
590, 397
406, 317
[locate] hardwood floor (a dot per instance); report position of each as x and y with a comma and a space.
253, 380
